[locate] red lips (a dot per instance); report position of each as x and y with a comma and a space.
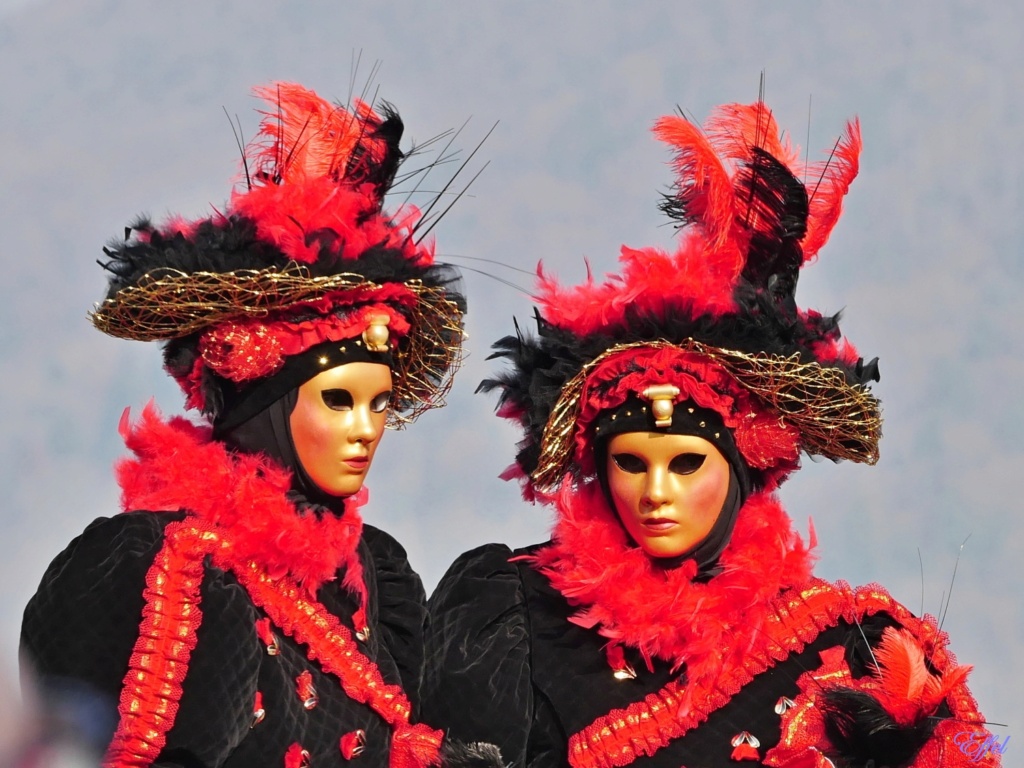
659, 524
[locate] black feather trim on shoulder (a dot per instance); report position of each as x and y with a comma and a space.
865, 735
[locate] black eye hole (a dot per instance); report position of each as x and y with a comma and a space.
337, 399
686, 463
627, 462
380, 403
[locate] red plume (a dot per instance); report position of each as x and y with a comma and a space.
735, 128
906, 688
307, 137
704, 181
827, 182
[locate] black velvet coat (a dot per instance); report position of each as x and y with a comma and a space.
80, 627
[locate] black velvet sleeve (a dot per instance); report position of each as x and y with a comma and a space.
401, 602
81, 626
476, 682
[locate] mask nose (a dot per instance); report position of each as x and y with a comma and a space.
363, 430
656, 491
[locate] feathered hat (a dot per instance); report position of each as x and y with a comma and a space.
301, 271
714, 326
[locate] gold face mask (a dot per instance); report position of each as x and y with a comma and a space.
337, 423
668, 489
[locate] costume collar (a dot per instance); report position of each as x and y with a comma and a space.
178, 466
629, 599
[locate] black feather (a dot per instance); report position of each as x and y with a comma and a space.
865, 735
776, 215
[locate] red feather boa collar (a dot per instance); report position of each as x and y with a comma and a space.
178, 466
663, 613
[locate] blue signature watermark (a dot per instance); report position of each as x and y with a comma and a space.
977, 744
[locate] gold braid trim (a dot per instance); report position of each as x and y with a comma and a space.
835, 419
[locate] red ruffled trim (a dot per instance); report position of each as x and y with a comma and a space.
159, 660
330, 643
628, 599
152, 688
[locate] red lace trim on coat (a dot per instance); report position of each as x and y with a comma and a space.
152, 687
798, 616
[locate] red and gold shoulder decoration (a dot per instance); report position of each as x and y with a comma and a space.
797, 618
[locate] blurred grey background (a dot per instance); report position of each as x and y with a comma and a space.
112, 108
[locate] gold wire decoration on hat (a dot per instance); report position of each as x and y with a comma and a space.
168, 304
835, 419
426, 360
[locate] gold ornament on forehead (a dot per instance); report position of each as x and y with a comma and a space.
834, 418
375, 337
170, 304
663, 402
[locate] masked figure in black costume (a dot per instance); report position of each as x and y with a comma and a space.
674, 619
239, 613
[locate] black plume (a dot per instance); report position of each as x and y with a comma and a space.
865, 735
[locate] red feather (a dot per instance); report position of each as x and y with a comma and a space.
306, 173
828, 182
735, 128
308, 137
702, 177
178, 466
906, 688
